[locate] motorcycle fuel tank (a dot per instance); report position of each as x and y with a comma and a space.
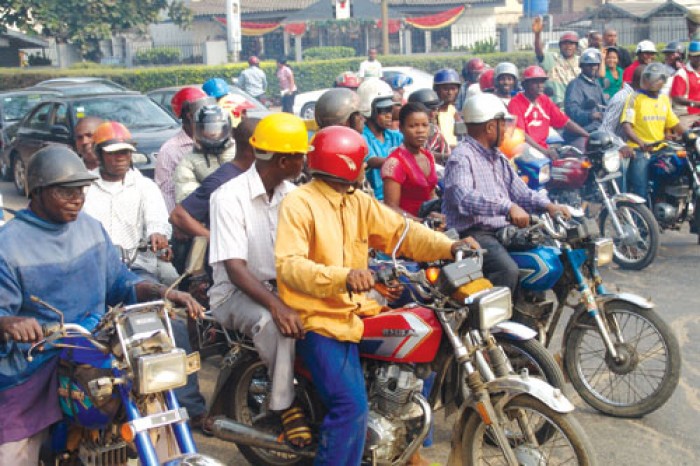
406, 335
540, 268
569, 173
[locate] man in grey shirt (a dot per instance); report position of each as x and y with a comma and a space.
253, 80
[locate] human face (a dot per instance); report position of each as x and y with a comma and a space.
646, 57
695, 61
590, 71
611, 60
59, 204
595, 40
372, 54
292, 165
670, 58
115, 164
496, 131
356, 121
415, 131
447, 93
84, 131
533, 88
610, 37
505, 84
383, 117
567, 49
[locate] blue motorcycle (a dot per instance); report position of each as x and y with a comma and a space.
620, 356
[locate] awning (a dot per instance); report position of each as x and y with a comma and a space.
438, 20
251, 28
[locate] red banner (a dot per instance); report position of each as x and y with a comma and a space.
296, 29
394, 25
438, 20
250, 28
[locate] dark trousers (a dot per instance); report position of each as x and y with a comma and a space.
498, 266
288, 102
638, 174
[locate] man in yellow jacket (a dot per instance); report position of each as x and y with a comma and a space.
325, 230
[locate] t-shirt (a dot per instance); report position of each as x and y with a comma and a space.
686, 83
197, 203
446, 121
649, 116
377, 148
561, 72
629, 71
611, 85
416, 188
535, 118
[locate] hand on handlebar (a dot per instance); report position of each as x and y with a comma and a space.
518, 217
158, 242
558, 210
359, 281
21, 329
466, 243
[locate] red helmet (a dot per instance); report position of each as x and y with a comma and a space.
349, 80
533, 72
253, 60
476, 65
569, 36
186, 94
486, 80
339, 152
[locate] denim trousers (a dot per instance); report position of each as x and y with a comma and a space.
638, 174
337, 376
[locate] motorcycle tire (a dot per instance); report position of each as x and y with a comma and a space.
595, 376
624, 255
248, 388
479, 447
533, 356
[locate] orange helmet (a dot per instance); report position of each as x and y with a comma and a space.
339, 152
186, 94
112, 136
513, 144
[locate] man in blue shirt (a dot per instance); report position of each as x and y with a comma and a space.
53, 251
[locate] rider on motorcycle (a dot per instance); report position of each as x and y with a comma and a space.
471, 71
483, 192
322, 272
505, 81
339, 107
563, 66
72, 265
436, 142
685, 90
243, 224
446, 84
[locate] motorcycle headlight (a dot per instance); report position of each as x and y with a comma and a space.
604, 250
163, 371
545, 174
490, 308
611, 161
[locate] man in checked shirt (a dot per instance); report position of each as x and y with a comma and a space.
484, 194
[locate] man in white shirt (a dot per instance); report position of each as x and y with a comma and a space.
252, 79
243, 228
371, 68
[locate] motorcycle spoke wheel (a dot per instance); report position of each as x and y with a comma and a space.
639, 383
559, 439
637, 248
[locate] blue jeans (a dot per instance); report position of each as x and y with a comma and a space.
337, 375
638, 174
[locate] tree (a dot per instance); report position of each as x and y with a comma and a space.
86, 22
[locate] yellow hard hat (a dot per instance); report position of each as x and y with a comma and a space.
281, 133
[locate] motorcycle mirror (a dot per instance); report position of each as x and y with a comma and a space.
400, 242
197, 255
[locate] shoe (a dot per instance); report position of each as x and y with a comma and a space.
203, 423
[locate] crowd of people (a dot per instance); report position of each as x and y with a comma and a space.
289, 264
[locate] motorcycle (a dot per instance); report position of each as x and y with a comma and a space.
116, 387
674, 185
580, 181
620, 356
507, 418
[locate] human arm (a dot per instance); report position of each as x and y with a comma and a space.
678, 91
537, 25
181, 219
572, 127
576, 104
184, 179
292, 83
148, 291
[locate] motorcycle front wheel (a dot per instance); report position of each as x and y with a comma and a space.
536, 433
533, 356
645, 376
636, 247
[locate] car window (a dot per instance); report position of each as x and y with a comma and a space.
60, 116
40, 118
136, 112
16, 106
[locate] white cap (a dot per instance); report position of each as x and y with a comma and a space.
118, 146
646, 46
483, 107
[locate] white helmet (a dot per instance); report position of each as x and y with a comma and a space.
646, 46
481, 108
370, 91
506, 68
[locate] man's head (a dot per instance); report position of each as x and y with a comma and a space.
694, 54
646, 52
280, 141
84, 146
253, 60
114, 147
337, 155
446, 83
505, 78
372, 54
242, 133
609, 37
595, 39
56, 181
212, 129
568, 43
485, 117
674, 52
487, 81
589, 63
376, 102
183, 97
339, 106
281, 61
533, 81
653, 78
473, 69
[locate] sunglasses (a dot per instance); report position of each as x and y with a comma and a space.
65, 193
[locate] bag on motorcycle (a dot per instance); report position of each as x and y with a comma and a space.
515, 239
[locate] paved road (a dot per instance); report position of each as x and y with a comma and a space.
667, 437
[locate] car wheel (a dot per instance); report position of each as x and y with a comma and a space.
19, 173
308, 111
5, 171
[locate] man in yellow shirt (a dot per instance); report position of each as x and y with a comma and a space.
324, 233
646, 117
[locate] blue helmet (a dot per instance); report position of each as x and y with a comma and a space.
694, 48
215, 87
400, 80
446, 76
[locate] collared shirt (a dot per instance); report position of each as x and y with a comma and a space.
169, 155
131, 211
195, 167
321, 236
243, 226
686, 83
561, 72
370, 69
649, 116
536, 117
286, 79
253, 80
611, 118
377, 148
481, 186
583, 97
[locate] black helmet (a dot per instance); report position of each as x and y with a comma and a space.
426, 96
212, 128
335, 106
675, 46
57, 165
599, 141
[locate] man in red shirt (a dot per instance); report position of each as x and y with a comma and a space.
646, 53
685, 90
536, 113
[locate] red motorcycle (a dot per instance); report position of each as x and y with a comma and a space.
504, 418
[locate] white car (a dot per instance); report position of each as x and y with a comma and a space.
305, 102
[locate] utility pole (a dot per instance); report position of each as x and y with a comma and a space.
385, 27
233, 28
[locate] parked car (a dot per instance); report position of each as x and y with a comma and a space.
164, 95
74, 85
54, 120
305, 102
13, 106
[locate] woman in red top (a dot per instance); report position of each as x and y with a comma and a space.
409, 171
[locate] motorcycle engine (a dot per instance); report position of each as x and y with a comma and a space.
391, 407
665, 214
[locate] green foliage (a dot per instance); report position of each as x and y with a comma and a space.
484, 46
157, 56
38, 60
328, 53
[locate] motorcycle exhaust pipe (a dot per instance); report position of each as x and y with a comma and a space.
232, 431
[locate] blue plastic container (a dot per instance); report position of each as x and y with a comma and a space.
535, 7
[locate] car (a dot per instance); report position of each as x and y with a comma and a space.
164, 95
54, 120
74, 85
13, 106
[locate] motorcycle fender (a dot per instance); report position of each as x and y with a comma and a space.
631, 298
514, 385
514, 331
628, 197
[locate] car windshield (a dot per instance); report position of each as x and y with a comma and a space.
136, 112
16, 106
